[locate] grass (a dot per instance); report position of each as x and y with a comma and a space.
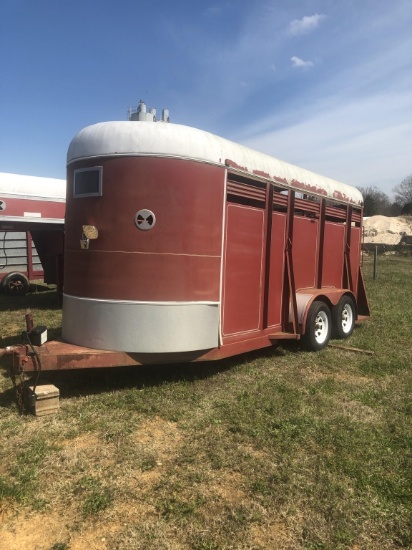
277, 449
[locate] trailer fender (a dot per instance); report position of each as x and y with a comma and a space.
304, 301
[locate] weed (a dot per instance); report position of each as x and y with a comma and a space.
60, 546
95, 498
174, 508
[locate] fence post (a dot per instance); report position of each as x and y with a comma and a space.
375, 263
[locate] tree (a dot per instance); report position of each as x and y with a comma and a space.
403, 191
395, 209
407, 209
375, 202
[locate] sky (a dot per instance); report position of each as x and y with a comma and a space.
323, 84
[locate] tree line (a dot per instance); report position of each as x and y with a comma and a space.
376, 202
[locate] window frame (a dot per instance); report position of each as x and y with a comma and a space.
99, 193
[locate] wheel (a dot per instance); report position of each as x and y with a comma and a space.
318, 327
343, 317
15, 284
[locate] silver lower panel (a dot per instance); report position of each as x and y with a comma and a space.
140, 327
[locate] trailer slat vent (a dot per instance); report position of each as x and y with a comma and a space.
248, 192
280, 201
13, 252
336, 214
356, 216
305, 207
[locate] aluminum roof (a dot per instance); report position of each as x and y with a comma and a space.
32, 187
125, 138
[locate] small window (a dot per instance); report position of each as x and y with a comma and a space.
88, 182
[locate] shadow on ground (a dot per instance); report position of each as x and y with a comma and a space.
82, 382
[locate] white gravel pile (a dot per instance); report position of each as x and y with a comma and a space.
385, 230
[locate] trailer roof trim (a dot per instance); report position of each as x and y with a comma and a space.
30, 219
124, 138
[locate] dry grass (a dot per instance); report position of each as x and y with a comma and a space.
279, 449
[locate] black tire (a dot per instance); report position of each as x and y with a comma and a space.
15, 284
343, 318
318, 327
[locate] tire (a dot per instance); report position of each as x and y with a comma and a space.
318, 327
15, 284
343, 318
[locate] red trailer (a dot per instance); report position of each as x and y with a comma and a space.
31, 230
181, 245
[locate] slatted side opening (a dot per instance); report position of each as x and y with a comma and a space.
241, 190
307, 207
356, 217
335, 213
280, 200
13, 252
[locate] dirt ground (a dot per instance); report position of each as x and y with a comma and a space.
62, 527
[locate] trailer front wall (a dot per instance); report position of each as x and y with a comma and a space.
145, 291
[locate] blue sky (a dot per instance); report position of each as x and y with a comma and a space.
324, 84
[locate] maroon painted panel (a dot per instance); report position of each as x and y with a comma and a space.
186, 198
178, 259
47, 208
243, 270
141, 276
333, 250
276, 269
304, 252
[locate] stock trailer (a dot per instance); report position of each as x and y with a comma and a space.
31, 231
184, 246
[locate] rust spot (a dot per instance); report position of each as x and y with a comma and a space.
310, 188
339, 196
233, 164
280, 180
261, 174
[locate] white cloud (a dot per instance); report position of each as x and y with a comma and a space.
298, 62
306, 24
363, 142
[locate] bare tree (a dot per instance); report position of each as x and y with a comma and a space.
403, 191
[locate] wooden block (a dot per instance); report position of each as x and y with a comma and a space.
45, 399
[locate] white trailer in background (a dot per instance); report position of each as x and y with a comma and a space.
31, 230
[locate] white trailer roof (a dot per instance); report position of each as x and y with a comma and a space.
125, 138
31, 199
32, 187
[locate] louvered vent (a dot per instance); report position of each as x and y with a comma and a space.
336, 214
356, 217
280, 201
308, 208
249, 193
